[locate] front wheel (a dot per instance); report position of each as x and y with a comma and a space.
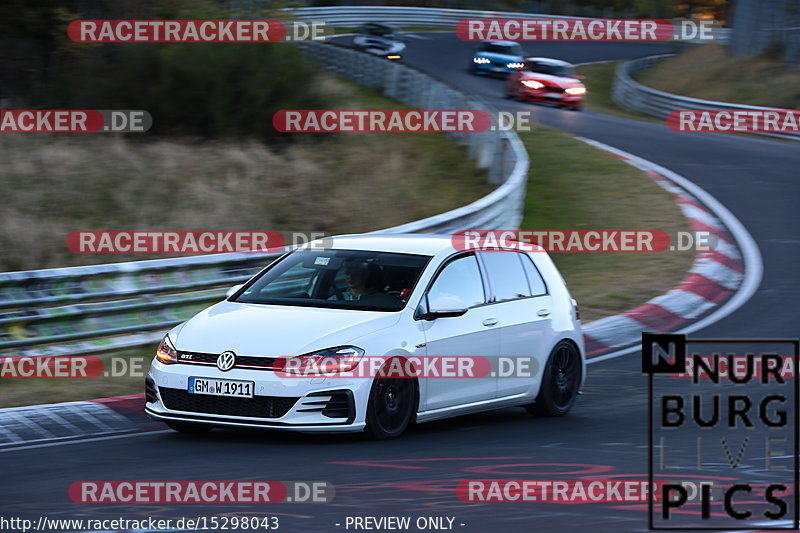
560, 382
391, 406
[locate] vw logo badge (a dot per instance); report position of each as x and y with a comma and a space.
226, 360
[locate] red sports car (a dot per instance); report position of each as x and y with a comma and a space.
546, 80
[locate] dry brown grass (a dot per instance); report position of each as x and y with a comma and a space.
340, 183
710, 73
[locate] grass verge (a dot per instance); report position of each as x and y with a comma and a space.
124, 375
575, 186
599, 78
709, 72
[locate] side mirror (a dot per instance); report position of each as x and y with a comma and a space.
446, 307
233, 290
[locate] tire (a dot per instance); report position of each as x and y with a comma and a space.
391, 407
187, 427
560, 381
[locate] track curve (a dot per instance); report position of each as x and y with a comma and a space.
606, 434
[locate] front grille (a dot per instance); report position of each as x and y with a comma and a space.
255, 407
262, 363
340, 404
554, 89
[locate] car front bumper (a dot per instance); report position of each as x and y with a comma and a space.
307, 404
491, 68
541, 95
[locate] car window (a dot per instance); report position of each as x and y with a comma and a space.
340, 279
506, 275
507, 49
377, 30
460, 278
553, 70
535, 281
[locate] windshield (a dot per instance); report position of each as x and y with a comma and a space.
378, 31
507, 49
553, 70
339, 279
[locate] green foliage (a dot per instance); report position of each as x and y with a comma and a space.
203, 89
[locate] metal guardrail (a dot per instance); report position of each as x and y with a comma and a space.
350, 16
634, 96
98, 308
402, 16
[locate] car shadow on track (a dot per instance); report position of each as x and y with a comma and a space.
489, 424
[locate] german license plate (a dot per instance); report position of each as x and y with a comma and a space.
221, 387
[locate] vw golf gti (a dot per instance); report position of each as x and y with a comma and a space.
253, 360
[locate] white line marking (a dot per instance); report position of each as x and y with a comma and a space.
81, 441
11, 435
19, 418
58, 419
89, 417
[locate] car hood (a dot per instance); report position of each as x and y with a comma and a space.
494, 56
273, 330
553, 81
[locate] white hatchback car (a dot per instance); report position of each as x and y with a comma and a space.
394, 297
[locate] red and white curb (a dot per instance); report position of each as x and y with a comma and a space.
732, 269
719, 282
61, 422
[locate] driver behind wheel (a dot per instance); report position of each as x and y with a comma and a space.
365, 283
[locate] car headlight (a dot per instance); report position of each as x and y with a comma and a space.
533, 84
515, 65
576, 90
480, 60
327, 361
166, 352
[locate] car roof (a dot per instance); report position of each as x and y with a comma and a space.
502, 43
549, 61
379, 24
408, 243
405, 243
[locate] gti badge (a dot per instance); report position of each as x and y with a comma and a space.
226, 361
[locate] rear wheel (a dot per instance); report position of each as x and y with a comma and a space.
188, 427
560, 382
391, 406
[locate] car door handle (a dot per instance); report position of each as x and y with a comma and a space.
490, 322
543, 312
